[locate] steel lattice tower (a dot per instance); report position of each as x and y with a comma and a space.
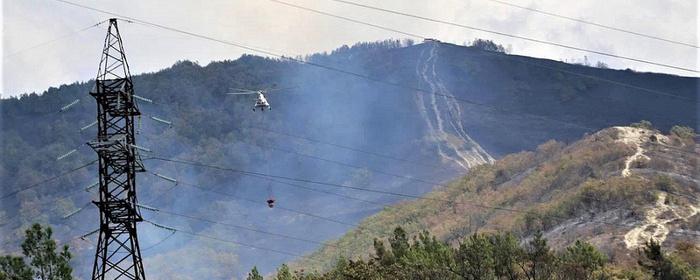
117, 255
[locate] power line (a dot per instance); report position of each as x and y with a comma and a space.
592, 77
328, 219
315, 157
609, 27
59, 242
231, 241
152, 246
351, 20
53, 210
422, 37
468, 203
248, 200
260, 174
161, 193
174, 185
66, 195
271, 180
253, 201
68, 217
352, 73
357, 167
55, 39
349, 72
539, 41
47, 180
515, 58
160, 210
276, 206
330, 68
369, 78
159, 242
349, 148
320, 191
243, 46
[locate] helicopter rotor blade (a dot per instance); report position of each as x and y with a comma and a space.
278, 89
242, 89
241, 93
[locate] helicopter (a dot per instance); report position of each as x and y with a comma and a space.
260, 100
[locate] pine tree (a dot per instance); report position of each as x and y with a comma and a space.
14, 268
539, 261
399, 243
581, 260
254, 274
661, 266
283, 273
505, 254
40, 249
44, 262
475, 257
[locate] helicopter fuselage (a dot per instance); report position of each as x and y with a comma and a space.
261, 102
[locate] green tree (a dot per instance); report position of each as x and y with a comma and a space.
254, 274
14, 268
660, 266
283, 273
581, 260
45, 263
505, 254
427, 258
475, 258
399, 243
488, 45
40, 249
538, 261
352, 270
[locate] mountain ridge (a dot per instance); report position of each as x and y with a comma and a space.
521, 111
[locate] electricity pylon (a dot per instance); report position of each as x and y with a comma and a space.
117, 255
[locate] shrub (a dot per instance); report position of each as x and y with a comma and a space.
683, 131
581, 260
665, 183
488, 45
661, 265
643, 124
602, 65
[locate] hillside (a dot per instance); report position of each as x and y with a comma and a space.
374, 132
616, 189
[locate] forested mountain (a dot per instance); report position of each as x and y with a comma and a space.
397, 117
615, 189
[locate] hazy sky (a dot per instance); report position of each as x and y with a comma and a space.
283, 29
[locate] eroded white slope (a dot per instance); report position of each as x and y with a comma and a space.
657, 221
659, 217
443, 115
633, 136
